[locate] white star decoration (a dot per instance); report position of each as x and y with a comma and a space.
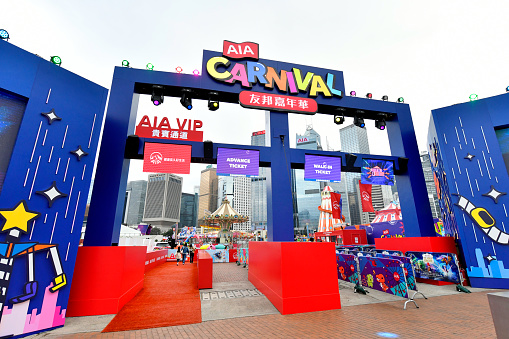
52, 193
494, 194
51, 116
469, 156
79, 153
490, 258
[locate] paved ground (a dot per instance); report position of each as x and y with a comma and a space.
446, 314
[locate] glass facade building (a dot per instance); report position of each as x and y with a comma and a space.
189, 210
259, 189
136, 192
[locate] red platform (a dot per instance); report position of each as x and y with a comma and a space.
349, 237
420, 244
105, 279
296, 277
205, 262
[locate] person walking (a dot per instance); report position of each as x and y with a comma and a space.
178, 255
185, 252
191, 254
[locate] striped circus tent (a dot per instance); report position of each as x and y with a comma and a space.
326, 222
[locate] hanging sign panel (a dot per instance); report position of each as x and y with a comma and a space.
377, 172
238, 162
167, 158
322, 168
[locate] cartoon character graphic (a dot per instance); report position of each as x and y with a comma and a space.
381, 280
342, 272
370, 280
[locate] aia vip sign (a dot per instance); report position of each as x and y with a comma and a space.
166, 158
181, 129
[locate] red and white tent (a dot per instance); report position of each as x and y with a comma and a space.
390, 212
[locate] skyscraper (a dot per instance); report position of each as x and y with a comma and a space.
238, 191
162, 203
208, 193
135, 204
430, 184
189, 210
258, 217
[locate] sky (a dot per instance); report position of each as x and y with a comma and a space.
433, 53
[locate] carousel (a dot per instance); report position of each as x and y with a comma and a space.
224, 217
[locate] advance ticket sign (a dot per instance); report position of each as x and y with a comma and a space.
322, 168
238, 162
167, 158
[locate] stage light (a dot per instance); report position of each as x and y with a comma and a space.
380, 124
157, 95
186, 99
196, 72
353, 93
125, 63
401, 100
507, 89
150, 67
213, 103
339, 119
56, 60
473, 97
359, 122
369, 96
179, 69
385, 98
4, 35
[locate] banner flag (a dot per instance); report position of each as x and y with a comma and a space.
365, 191
336, 205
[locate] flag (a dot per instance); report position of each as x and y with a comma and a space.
365, 190
336, 205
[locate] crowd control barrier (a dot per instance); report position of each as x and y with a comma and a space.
388, 252
438, 266
384, 274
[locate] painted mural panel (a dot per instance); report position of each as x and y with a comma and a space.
347, 268
383, 274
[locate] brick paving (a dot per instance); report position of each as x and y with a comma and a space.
229, 272
453, 316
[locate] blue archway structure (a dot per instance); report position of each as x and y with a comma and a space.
105, 214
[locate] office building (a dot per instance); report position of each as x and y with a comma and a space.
162, 203
430, 185
189, 210
136, 192
258, 217
207, 201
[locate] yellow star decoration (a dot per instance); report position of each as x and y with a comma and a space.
18, 218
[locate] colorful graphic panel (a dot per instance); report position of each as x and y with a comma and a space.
218, 255
243, 255
377, 172
347, 268
383, 274
12, 109
388, 252
407, 268
238, 162
322, 168
435, 266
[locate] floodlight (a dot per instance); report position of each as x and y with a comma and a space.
380, 124
157, 95
353, 93
359, 122
385, 98
213, 103
4, 35
369, 96
56, 60
339, 119
125, 63
401, 100
185, 100
507, 89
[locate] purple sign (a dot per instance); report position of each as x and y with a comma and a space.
322, 168
238, 162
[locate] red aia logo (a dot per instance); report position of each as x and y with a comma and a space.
243, 50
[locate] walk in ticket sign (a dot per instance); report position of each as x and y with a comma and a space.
322, 168
238, 162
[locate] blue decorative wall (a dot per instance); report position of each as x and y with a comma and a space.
50, 122
472, 182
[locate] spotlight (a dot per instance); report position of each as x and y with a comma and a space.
339, 119
125, 63
4, 35
359, 122
385, 98
401, 100
186, 99
150, 67
353, 93
507, 89
369, 96
56, 60
213, 103
473, 97
157, 95
380, 124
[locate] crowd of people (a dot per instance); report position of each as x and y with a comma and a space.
183, 250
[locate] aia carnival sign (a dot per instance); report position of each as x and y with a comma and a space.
262, 74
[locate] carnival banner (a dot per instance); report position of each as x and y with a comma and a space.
383, 274
347, 268
435, 266
218, 255
407, 268
365, 191
243, 255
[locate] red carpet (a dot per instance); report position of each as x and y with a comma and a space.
169, 297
